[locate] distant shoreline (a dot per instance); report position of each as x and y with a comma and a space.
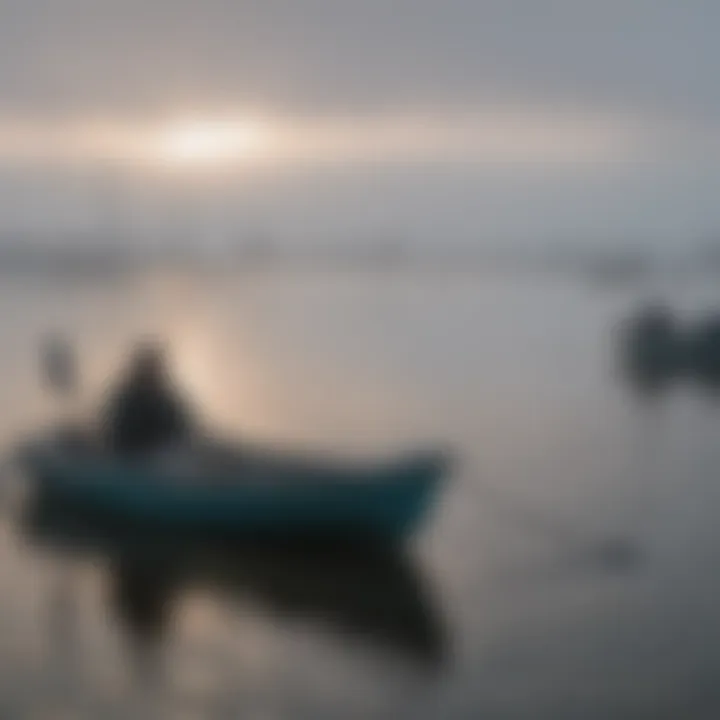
605, 267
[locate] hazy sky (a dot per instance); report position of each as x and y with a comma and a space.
473, 120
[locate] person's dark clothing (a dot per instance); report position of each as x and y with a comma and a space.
144, 416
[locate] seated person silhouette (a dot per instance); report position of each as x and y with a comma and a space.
146, 413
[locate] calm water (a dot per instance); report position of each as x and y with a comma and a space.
569, 572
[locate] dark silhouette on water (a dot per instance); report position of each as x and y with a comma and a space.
369, 592
651, 348
147, 411
656, 352
703, 351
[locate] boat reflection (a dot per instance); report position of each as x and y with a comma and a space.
370, 592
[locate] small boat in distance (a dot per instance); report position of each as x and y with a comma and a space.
652, 346
703, 349
246, 491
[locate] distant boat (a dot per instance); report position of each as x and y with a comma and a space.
703, 349
652, 346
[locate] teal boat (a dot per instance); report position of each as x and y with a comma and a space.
241, 490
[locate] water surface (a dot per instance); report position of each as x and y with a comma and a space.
569, 571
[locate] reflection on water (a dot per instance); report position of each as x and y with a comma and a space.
573, 556
374, 592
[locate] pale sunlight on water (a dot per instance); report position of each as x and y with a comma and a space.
527, 614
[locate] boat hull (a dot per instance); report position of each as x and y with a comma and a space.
386, 502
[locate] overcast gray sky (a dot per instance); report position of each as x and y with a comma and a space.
648, 65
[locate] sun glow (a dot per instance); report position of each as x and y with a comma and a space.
200, 145
212, 143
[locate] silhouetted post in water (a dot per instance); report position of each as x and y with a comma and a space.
59, 370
